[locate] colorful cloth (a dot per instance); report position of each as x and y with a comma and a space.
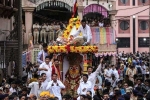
103, 35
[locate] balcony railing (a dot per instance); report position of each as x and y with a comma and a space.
37, 2
9, 3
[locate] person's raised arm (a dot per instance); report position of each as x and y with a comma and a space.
98, 70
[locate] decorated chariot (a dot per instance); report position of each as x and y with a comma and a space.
73, 56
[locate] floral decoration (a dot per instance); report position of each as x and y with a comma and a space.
78, 49
72, 22
46, 94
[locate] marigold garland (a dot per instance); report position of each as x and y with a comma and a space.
79, 49
72, 22
46, 94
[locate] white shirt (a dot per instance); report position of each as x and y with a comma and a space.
86, 32
115, 72
36, 26
47, 28
92, 77
35, 89
49, 72
12, 90
143, 68
108, 73
83, 85
56, 90
44, 85
101, 24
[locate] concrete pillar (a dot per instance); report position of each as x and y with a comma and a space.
28, 23
80, 8
113, 21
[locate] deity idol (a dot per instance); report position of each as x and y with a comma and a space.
73, 75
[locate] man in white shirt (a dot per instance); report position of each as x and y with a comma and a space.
55, 86
86, 32
115, 72
92, 76
143, 68
108, 74
36, 87
13, 87
42, 54
45, 82
84, 86
45, 67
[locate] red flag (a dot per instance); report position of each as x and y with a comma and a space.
75, 9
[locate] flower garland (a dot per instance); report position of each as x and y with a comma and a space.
72, 22
79, 49
46, 94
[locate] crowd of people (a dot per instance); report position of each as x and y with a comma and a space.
48, 32
127, 80
97, 20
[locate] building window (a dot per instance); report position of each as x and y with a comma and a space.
143, 25
124, 1
143, 1
143, 42
124, 25
123, 42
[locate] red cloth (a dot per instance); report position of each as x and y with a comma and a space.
56, 70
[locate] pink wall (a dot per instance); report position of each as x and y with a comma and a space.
126, 50
128, 11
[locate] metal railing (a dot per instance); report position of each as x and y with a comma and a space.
10, 3
37, 2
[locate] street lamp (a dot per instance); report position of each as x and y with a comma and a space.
144, 39
134, 33
110, 5
117, 44
116, 39
134, 16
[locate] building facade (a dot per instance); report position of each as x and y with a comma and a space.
132, 25
8, 44
30, 8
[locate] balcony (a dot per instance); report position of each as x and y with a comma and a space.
8, 8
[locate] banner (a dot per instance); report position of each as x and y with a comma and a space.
103, 35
